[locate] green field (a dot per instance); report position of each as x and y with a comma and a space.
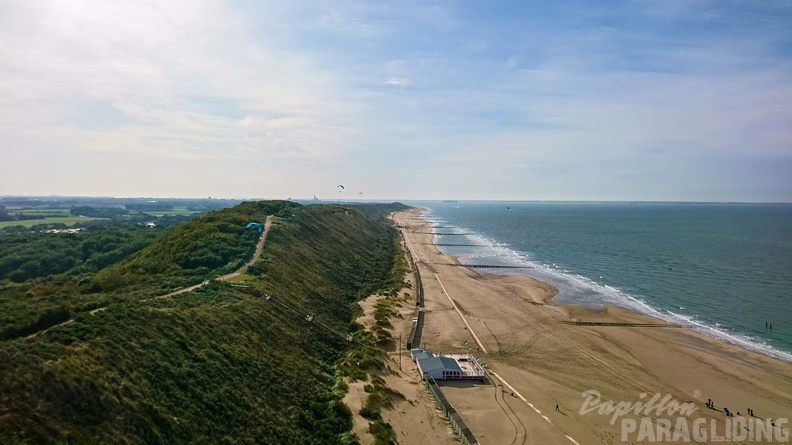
68, 220
53, 215
45, 212
177, 211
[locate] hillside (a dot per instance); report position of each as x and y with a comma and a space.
217, 365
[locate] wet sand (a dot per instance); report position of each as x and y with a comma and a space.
538, 356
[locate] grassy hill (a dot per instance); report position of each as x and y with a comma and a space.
221, 364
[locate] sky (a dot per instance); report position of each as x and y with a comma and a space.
670, 100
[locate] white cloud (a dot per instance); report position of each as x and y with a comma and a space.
146, 60
292, 96
397, 81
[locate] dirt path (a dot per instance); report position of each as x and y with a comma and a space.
240, 271
51, 327
256, 256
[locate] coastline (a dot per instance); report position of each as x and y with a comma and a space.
628, 303
531, 345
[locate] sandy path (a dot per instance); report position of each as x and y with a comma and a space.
241, 270
256, 255
549, 362
238, 272
33, 335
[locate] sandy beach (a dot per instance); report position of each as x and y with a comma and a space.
537, 359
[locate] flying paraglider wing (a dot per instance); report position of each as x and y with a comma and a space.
258, 226
340, 188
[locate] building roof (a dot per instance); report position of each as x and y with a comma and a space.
432, 363
420, 354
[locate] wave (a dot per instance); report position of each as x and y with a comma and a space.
584, 291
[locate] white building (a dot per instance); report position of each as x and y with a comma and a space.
447, 367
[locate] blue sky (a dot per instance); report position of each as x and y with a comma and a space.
638, 100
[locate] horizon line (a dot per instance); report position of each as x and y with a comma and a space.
370, 200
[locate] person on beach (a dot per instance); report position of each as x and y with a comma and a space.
557, 407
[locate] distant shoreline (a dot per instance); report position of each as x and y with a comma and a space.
555, 352
654, 314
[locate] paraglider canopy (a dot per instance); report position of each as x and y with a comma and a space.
258, 226
340, 188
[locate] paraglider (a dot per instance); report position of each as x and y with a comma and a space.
360, 193
258, 226
340, 188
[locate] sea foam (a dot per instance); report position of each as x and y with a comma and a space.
584, 291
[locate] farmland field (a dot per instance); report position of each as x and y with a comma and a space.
177, 211
68, 220
44, 212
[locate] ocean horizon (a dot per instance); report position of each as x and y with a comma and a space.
722, 269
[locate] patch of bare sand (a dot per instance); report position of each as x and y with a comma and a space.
354, 399
367, 319
550, 363
414, 417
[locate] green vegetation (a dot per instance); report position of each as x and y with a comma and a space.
19, 214
208, 246
179, 211
366, 361
383, 433
383, 311
42, 212
31, 255
98, 212
67, 221
221, 364
380, 395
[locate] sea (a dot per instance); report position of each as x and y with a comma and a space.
721, 269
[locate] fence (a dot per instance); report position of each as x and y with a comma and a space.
456, 421
414, 337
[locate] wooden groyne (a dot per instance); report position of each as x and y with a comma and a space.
620, 324
485, 266
443, 233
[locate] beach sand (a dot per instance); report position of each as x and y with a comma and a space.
414, 416
548, 362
